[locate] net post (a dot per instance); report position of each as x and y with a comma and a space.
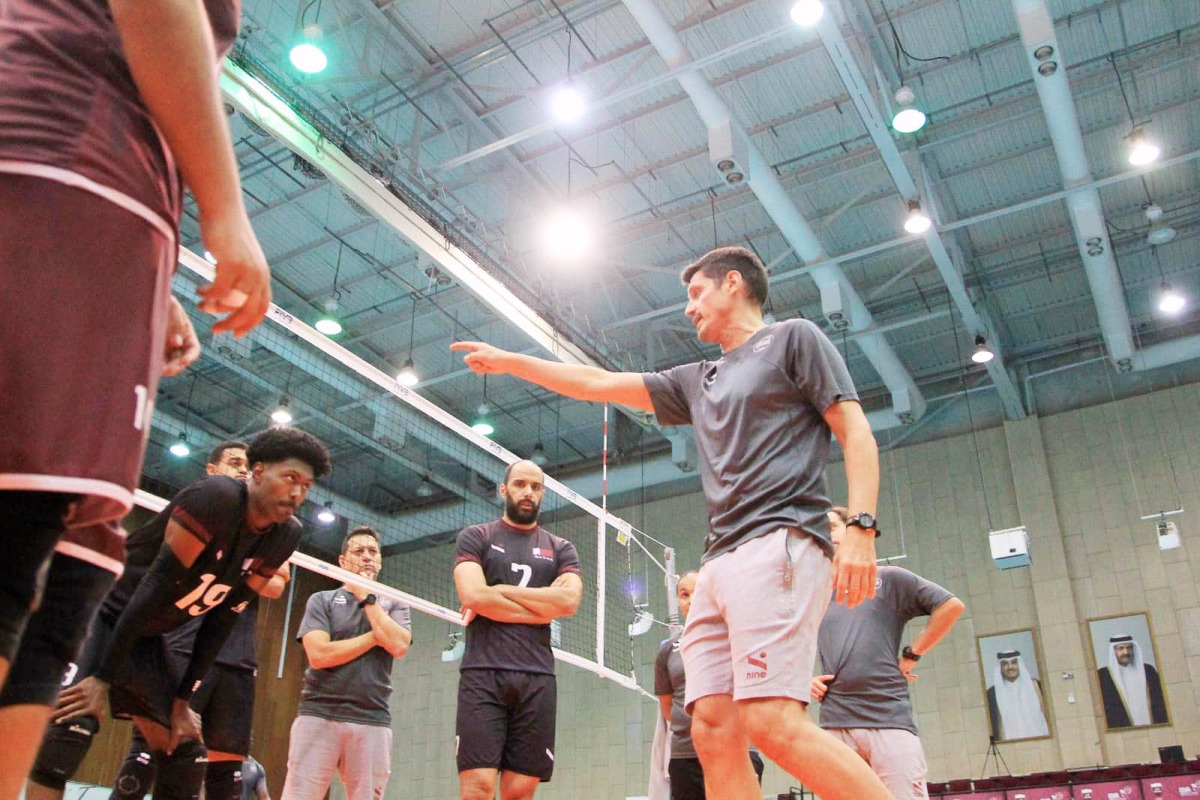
671, 579
601, 549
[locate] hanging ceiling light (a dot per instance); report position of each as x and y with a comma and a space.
1160, 232
407, 376
483, 422
454, 651
307, 55
329, 324
1170, 301
282, 415
326, 516
983, 354
1142, 151
567, 236
807, 12
916, 221
908, 118
538, 456
426, 488
179, 448
568, 104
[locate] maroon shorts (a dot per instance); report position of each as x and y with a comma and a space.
85, 286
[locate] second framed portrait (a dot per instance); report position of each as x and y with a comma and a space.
1012, 678
1131, 687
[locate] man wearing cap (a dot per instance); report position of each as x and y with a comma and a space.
1015, 700
1130, 688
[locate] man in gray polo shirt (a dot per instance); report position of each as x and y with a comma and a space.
864, 693
762, 414
351, 638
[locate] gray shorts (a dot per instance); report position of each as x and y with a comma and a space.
895, 755
319, 748
752, 628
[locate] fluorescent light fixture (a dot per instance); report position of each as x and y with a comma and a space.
807, 12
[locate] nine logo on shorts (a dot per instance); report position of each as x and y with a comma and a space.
761, 663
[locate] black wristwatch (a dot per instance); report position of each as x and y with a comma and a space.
369, 600
908, 653
865, 521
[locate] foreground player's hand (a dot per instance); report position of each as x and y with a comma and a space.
854, 567
360, 592
243, 283
906, 667
185, 724
86, 698
820, 685
182, 348
482, 357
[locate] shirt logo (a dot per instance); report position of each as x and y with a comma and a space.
248, 564
220, 553
764, 343
339, 599
710, 377
760, 664
498, 548
543, 553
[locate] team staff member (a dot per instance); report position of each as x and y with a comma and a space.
513, 578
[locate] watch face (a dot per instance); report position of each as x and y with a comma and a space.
866, 520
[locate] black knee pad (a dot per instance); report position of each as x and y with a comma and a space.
63, 749
33, 524
223, 780
181, 774
136, 778
56, 630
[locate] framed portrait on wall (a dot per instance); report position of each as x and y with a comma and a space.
1126, 665
1012, 679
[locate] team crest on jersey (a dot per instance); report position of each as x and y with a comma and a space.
764, 343
545, 554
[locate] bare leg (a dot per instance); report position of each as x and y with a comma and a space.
721, 744
515, 786
16, 757
477, 784
782, 730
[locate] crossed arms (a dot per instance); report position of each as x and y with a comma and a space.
520, 604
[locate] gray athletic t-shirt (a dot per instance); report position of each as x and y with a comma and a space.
357, 691
758, 417
860, 647
669, 679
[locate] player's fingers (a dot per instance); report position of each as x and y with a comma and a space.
248, 314
469, 347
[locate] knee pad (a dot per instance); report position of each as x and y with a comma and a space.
136, 778
63, 749
181, 774
55, 631
223, 780
34, 522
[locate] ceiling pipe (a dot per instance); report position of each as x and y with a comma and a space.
1045, 58
841, 303
829, 31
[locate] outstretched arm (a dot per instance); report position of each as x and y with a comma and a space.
577, 381
487, 601
559, 599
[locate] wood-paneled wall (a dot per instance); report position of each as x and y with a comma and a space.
275, 702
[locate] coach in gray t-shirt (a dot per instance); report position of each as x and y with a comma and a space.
351, 638
864, 691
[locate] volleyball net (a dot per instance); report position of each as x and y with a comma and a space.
389, 439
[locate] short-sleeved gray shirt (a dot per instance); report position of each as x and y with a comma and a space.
669, 679
860, 647
359, 690
758, 417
